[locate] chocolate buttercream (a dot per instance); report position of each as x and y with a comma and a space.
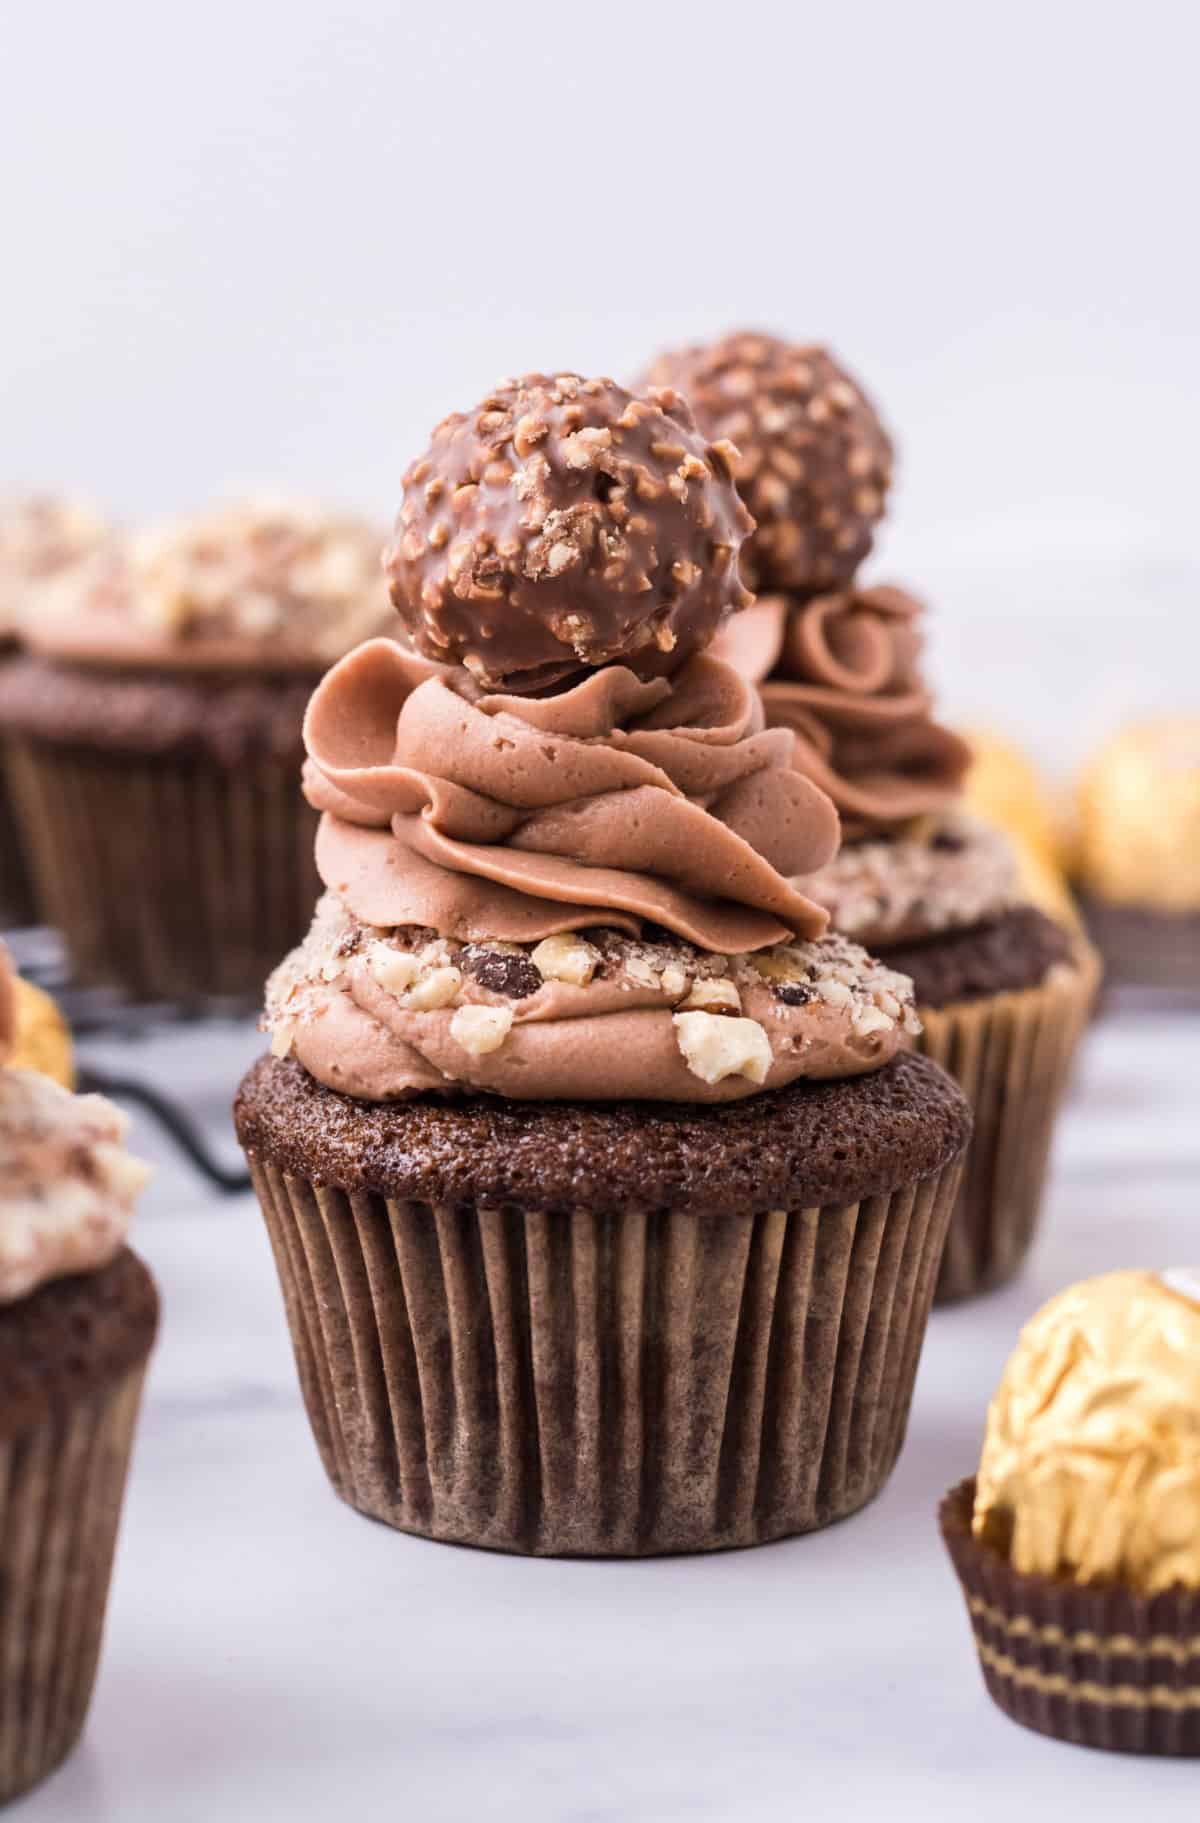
613, 802
581, 896
842, 672
564, 523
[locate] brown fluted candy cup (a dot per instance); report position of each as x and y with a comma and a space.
608, 1329
1100, 1666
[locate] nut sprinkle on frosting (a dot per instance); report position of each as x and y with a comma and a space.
564, 523
814, 461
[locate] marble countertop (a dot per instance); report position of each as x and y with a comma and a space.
272, 1655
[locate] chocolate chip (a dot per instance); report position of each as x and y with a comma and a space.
946, 842
793, 993
501, 971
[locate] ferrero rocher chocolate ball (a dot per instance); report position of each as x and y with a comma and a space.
814, 462
1091, 1463
564, 523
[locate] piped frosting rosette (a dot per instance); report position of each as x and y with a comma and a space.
622, 852
842, 673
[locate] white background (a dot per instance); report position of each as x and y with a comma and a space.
271, 241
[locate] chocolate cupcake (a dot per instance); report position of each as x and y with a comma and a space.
606, 1204
1138, 855
153, 731
1078, 1543
1002, 987
39, 537
78, 1314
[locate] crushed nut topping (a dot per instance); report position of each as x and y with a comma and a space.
481, 1029
814, 462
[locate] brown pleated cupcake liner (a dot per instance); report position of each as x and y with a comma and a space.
171, 878
16, 888
572, 1384
1011, 1055
61, 1488
1100, 1667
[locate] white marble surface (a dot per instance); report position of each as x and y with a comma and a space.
271, 1655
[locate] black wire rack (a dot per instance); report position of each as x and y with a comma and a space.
40, 957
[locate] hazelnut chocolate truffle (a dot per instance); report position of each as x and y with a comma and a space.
1138, 856
814, 462
606, 1198
564, 523
1078, 1543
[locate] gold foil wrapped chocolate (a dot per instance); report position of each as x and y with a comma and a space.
1091, 1461
41, 1039
1004, 788
1139, 817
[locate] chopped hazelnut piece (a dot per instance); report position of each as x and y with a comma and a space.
715, 1046
566, 957
394, 969
437, 988
480, 1029
715, 991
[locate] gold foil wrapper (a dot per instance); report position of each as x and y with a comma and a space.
1139, 817
42, 1039
1091, 1460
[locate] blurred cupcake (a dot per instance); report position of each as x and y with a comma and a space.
606, 1202
1002, 989
78, 1314
39, 537
1078, 1543
154, 733
1138, 855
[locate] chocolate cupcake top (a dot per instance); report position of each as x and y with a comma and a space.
1139, 817
585, 892
67, 1184
40, 536
814, 463
278, 587
1091, 1462
564, 524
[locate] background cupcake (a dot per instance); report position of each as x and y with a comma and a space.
39, 537
1003, 989
1138, 853
606, 1205
154, 731
78, 1313
1078, 1543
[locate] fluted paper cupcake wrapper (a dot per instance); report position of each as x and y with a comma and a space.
16, 891
1011, 1055
61, 1488
171, 878
1100, 1667
621, 1385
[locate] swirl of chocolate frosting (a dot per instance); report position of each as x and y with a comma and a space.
614, 802
842, 672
